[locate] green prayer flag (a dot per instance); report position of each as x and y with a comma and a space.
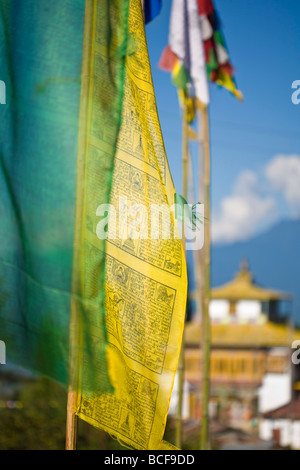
43, 267
80, 147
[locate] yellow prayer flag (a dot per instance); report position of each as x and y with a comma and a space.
145, 278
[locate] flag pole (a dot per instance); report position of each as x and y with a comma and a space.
143, 9
72, 422
185, 163
205, 319
74, 341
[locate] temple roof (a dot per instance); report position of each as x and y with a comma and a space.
264, 335
289, 411
243, 287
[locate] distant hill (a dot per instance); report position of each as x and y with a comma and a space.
274, 260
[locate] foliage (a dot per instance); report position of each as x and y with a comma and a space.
38, 422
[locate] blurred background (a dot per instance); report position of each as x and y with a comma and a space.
255, 229
255, 156
255, 226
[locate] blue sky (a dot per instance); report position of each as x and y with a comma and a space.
255, 145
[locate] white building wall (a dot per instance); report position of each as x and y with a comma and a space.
274, 392
289, 431
219, 310
248, 310
295, 441
265, 429
284, 425
185, 399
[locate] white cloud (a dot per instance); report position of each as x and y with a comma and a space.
283, 172
255, 199
242, 211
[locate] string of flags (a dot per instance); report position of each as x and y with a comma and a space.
197, 52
